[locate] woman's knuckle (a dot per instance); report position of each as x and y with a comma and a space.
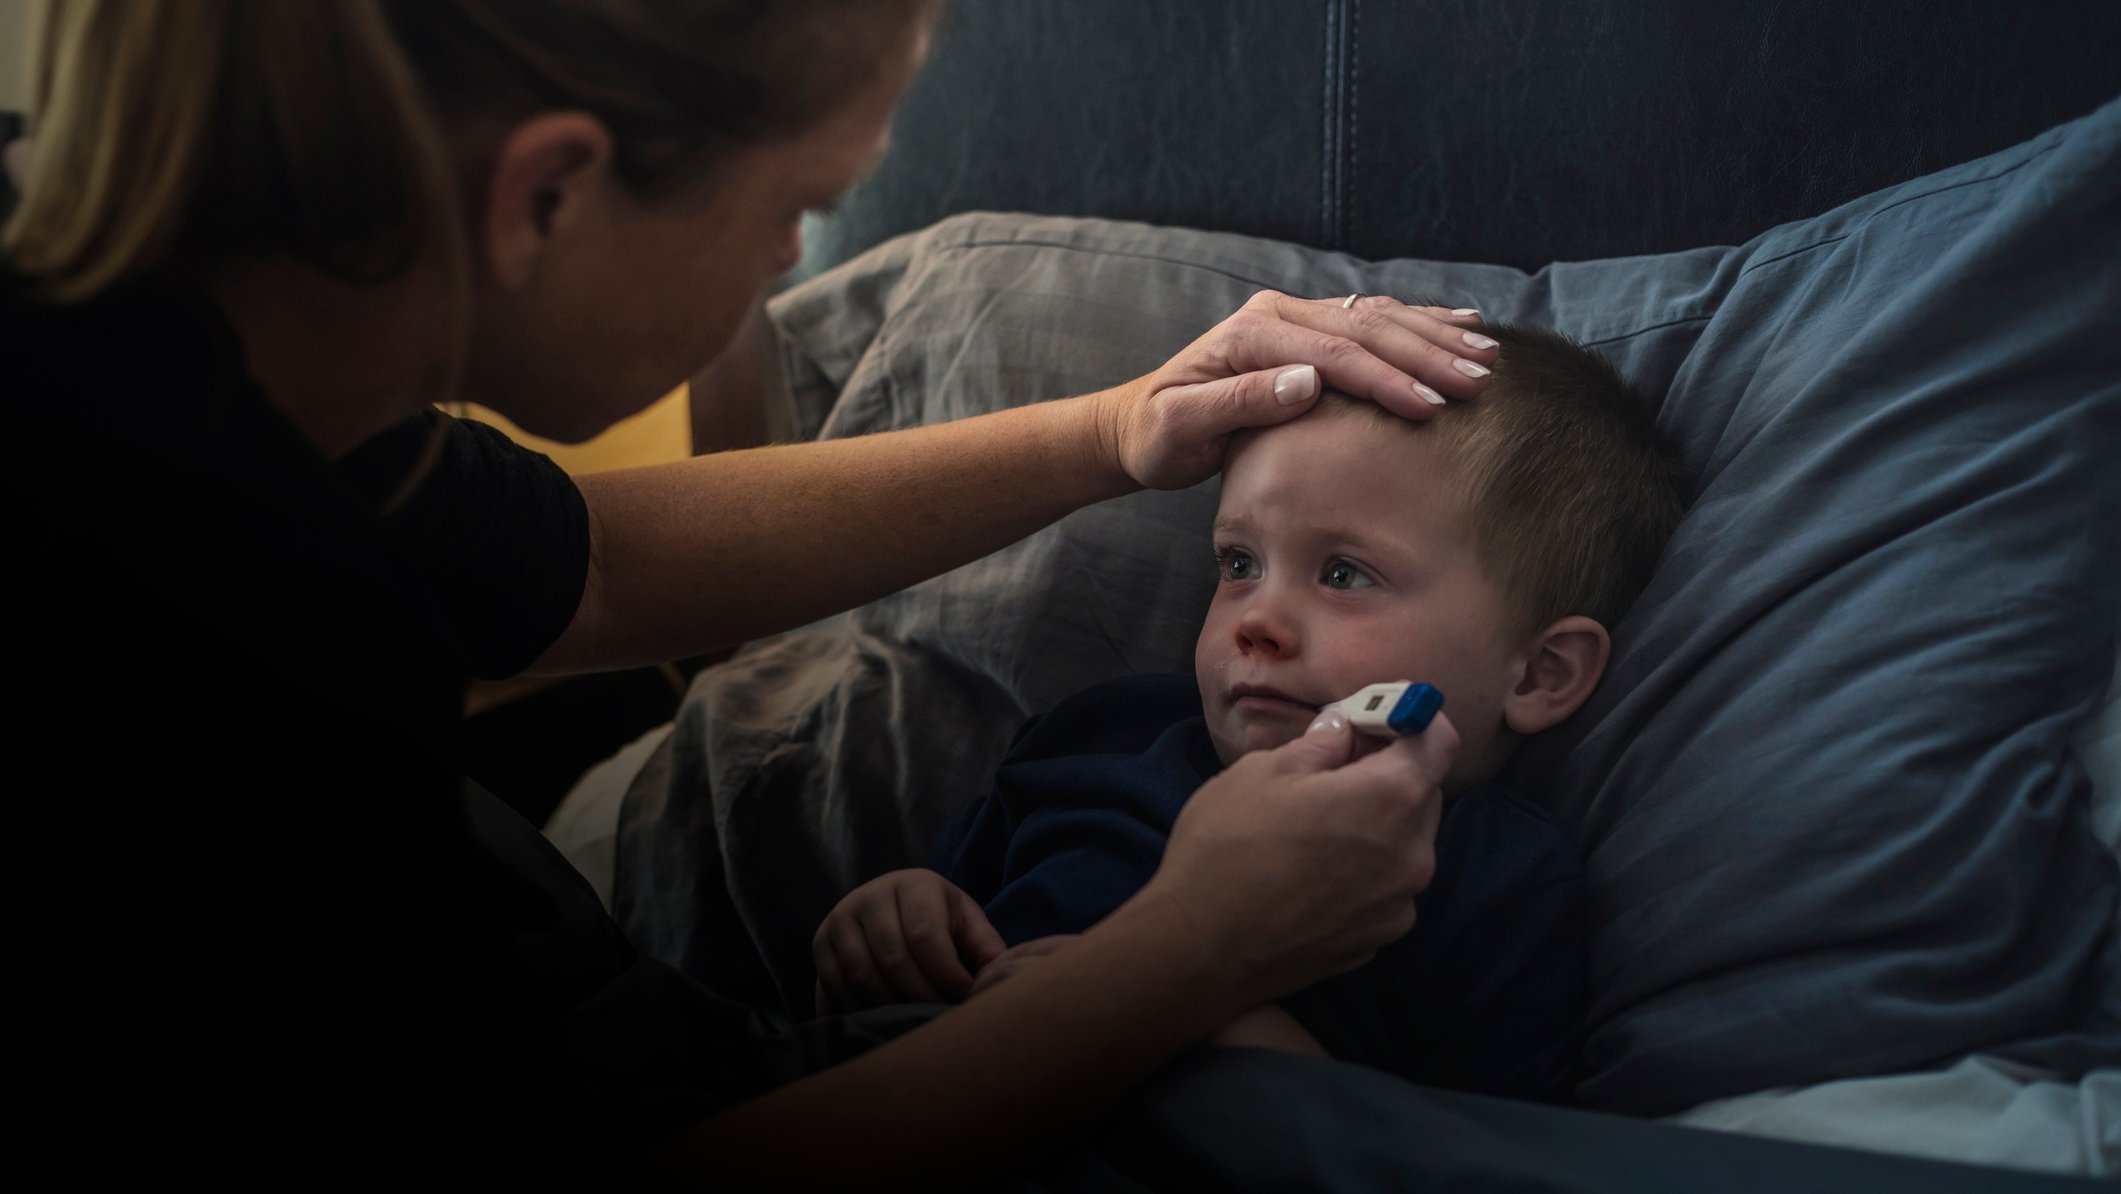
1421, 868
1241, 328
1340, 350
1369, 320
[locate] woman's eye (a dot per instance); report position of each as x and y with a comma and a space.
1232, 564
1340, 574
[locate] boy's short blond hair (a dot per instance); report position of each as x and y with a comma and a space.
1571, 491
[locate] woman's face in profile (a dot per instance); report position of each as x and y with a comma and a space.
640, 294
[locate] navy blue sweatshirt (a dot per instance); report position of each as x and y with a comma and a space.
1485, 994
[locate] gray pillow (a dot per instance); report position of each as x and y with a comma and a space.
1824, 796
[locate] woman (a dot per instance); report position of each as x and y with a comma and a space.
255, 243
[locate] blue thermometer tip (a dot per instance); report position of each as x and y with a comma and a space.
1416, 709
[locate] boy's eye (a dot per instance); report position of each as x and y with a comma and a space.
1233, 564
1340, 574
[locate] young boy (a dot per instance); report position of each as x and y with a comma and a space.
1486, 552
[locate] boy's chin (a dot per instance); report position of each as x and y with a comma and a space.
1253, 735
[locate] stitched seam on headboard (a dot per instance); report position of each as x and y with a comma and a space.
1326, 112
1335, 108
1354, 143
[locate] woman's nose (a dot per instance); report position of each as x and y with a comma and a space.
791, 250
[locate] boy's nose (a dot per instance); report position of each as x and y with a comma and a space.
1262, 631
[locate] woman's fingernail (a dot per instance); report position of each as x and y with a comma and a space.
1466, 311
1296, 385
1331, 721
1469, 368
1477, 340
1434, 398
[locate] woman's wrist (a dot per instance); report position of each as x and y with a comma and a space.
1102, 436
1108, 412
1165, 927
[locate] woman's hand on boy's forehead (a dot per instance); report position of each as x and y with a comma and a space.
1268, 362
1440, 348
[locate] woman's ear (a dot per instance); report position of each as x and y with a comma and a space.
550, 176
1562, 666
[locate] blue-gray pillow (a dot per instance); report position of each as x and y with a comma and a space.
1826, 797
1829, 816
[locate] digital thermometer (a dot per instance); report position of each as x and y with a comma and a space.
1400, 708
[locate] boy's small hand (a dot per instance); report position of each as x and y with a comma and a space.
904, 937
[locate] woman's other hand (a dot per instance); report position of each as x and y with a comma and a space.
1298, 863
1263, 365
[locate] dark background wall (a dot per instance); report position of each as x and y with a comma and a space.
1510, 131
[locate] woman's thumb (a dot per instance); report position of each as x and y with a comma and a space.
1329, 743
1295, 386
1258, 399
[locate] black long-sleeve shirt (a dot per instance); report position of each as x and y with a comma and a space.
261, 920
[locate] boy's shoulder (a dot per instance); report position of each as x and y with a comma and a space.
1495, 837
1123, 716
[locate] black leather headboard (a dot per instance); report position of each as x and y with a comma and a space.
1509, 131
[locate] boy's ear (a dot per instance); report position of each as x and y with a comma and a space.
1562, 666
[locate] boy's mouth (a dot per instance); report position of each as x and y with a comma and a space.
1266, 699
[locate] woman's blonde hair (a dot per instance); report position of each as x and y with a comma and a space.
178, 134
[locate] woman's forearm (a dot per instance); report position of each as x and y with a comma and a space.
719, 549
1291, 865
708, 552
993, 1084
